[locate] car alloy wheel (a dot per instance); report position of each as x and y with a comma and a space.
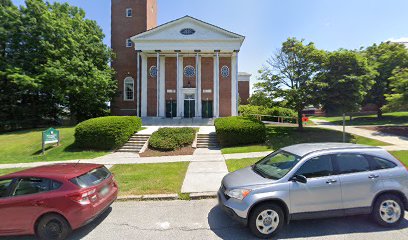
267, 221
390, 211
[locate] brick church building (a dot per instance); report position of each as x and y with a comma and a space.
185, 68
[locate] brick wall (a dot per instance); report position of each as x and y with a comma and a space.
207, 77
151, 89
186, 80
171, 77
225, 89
243, 90
123, 28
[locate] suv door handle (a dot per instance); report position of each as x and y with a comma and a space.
373, 176
331, 181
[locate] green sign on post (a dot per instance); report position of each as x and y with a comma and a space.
49, 136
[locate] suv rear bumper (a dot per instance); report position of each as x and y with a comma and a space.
230, 212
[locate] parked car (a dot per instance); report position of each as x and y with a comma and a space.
51, 201
308, 181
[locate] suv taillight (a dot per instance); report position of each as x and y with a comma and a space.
82, 197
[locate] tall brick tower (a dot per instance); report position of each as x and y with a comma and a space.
128, 18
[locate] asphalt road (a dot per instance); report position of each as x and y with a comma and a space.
204, 220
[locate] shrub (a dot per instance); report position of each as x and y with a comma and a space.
234, 131
106, 133
170, 139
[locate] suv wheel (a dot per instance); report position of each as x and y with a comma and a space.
388, 210
52, 226
266, 220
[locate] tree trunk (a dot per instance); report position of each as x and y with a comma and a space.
300, 123
379, 113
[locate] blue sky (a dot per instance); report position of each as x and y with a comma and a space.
267, 23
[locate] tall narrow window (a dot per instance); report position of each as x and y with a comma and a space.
128, 43
129, 88
128, 12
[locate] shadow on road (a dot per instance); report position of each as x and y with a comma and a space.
77, 234
227, 228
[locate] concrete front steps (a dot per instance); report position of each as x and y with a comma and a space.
135, 143
207, 140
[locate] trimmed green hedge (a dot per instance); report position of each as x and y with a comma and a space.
106, 133
170, 139
235, 131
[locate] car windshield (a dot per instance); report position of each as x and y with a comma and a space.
276, 165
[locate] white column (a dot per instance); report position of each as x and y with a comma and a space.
180, 99
138, 84
216, 85
234, 83
144, 86
198, 86
157, 83
162, 89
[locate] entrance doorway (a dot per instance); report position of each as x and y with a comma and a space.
189, 106
207, 109
171, 108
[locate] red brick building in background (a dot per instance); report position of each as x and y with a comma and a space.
185, 68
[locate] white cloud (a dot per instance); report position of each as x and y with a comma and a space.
401, 39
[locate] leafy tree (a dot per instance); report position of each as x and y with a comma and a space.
289, 75
385, 58
344, 81
57, 63
398, 100
260, 98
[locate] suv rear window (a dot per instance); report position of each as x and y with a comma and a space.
92, 178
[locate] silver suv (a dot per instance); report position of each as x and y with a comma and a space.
313, 181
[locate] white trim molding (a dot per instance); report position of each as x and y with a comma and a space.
162, 87
144, 86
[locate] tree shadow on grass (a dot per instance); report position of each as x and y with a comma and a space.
279, 137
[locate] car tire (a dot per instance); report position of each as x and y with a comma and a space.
52, 226
266, 220
388, 210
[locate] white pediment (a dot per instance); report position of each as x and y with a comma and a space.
172, 32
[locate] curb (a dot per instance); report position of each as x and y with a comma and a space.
203, 195
166, 197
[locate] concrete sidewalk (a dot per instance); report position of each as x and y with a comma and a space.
205, 172
398, 142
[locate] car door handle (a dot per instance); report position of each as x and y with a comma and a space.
373, 176
331, 181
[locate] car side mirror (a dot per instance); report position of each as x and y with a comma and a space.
299, 178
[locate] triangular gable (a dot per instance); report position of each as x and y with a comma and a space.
202, 31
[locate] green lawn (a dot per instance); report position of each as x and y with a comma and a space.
388, 118
139, 179
9, 170
278, 137
235, 164
402, 156
25, 146
246, 149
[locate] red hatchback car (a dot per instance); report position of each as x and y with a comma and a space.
51, 201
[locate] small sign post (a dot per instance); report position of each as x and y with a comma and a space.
50, 136
344, 127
